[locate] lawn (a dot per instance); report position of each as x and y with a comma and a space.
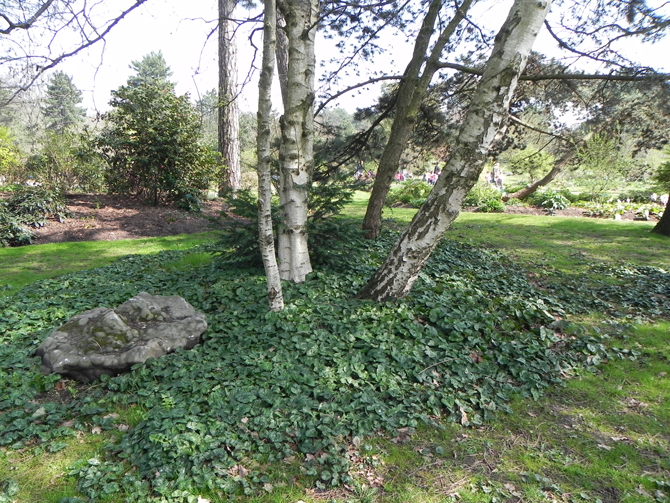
467, 391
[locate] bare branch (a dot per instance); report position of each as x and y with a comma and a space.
41, 69
26, 24
643, 74
355, 86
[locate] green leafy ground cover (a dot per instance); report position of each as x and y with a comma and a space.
22, 266
403, 401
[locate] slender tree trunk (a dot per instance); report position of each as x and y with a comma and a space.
265, 230
229, 113
545, 180
297, 130
485, 122
282, 57
663, 225
411, 94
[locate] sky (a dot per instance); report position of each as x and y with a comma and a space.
181, 29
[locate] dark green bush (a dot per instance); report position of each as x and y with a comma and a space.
32, 206
549, 198
636, 196
12, 231
153, 145
239, 244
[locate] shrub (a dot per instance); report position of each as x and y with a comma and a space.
485, 198
32, 206
153, 145
567, 194
554, 201
411, 193
492, 206
636, 196
12, 230
239, 244
67, 161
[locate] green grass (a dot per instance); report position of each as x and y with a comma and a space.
605, 436
24, 265
567, 244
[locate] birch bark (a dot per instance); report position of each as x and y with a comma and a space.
265, 230
297, 130
411, 94
485, 121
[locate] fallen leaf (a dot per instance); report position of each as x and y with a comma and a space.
464, 417
96, 430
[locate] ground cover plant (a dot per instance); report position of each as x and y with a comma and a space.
21, 266
301, 395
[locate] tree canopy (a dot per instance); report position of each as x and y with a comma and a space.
61, 109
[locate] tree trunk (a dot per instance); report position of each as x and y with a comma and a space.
544, 181
663, 225
485, 122
265, 231
297, 130
229, 113
411, 94
282, 58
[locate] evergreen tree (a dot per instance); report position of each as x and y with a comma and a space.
151, 68
62, 110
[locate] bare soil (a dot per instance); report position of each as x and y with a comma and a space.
100, 217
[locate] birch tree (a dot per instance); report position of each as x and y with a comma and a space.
265, 228
297, 138
485, 121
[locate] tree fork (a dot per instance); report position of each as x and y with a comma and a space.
484, 123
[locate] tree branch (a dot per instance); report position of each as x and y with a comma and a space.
645, 74
89, 43
26, 24
356, 86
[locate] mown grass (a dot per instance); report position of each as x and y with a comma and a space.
605, 436
24, 265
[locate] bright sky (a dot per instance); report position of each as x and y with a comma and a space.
180, 31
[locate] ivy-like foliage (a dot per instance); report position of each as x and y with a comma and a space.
300, 384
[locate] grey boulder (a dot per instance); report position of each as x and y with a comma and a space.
106, 341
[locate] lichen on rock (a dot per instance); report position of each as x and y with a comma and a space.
105, 341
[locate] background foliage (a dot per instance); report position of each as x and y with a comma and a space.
152, 145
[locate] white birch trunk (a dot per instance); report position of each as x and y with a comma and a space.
297, 129
265, 231
485, 121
